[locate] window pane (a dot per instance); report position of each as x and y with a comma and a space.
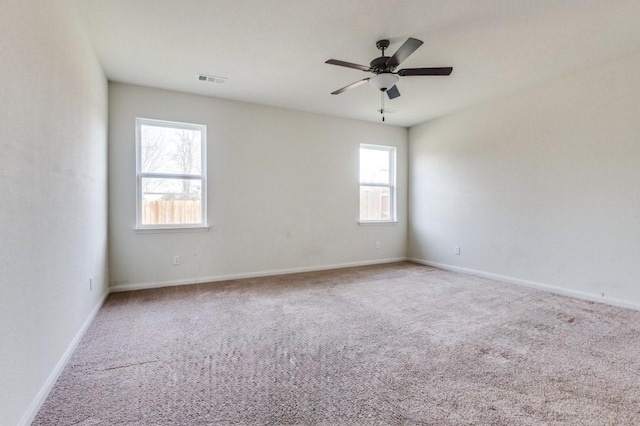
170, 150
374, 166
375, 203
171, 201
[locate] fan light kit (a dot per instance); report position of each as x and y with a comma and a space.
383, 81
384, 68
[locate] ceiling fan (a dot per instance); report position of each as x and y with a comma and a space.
384, 68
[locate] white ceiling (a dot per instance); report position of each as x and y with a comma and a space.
273, 51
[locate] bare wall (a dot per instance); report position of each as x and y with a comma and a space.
283, 192
53, 192
541, 186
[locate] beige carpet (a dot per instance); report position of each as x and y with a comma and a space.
392, 344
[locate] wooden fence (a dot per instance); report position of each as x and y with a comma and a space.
374, 203
162, 212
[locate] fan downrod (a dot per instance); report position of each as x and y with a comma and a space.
379, 65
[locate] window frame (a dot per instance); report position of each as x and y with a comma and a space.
391, 185
140, 175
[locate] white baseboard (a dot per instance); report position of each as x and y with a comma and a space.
592, 297
37, 402
188, 281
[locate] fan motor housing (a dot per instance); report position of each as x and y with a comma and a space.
379, 65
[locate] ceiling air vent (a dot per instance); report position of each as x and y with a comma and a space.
212, 78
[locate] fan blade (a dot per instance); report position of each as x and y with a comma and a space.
347, 64
351, 86
405, 50
393, 92
425, 71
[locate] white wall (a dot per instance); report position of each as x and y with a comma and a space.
283, 192
53, 222
542, 186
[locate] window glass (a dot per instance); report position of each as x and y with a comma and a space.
375, 203
171, 188
377, 183
169, 150
374, 165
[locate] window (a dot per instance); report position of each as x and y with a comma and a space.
171, 174
377, 183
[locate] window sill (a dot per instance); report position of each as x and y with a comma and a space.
171, 230
377, 222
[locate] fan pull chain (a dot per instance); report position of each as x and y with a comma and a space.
382, 104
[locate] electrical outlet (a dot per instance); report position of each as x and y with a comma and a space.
377, 244
176, 260
457, 251
90, 283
